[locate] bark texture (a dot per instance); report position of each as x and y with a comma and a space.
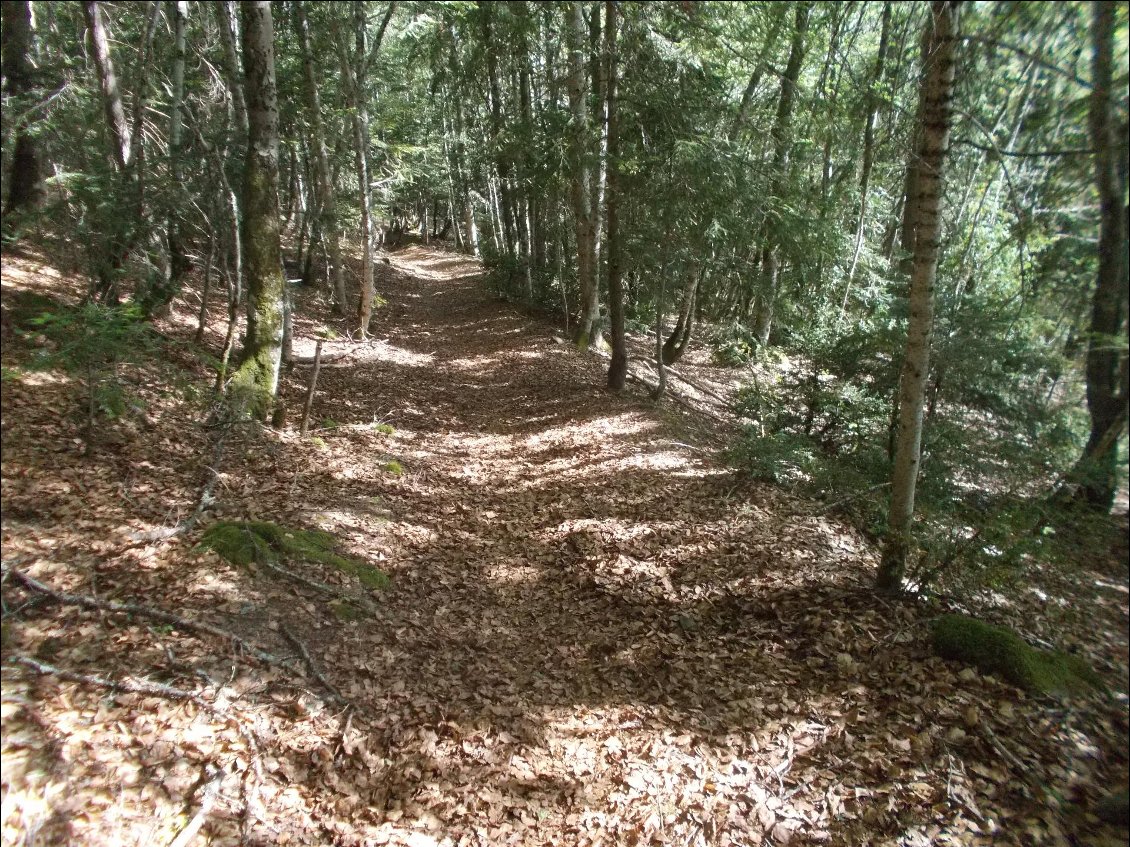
323, 173
935, 110
588, 332
618, 367
1108, 370
25, 180
256, 382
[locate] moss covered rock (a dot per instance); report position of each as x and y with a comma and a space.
248, 542
1000, 651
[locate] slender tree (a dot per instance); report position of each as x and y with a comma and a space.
618, 367
588, 332
324, 174
782, 143
255, 384
1107, 368
936, 106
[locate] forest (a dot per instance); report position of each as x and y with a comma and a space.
585, 422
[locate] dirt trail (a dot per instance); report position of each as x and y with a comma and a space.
595, 632
578, 593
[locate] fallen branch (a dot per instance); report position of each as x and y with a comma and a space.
157, 689
149, 612
670, 371
211, 793
324, 588
207, 498
679, 398
835, 504
311, 667
310, 391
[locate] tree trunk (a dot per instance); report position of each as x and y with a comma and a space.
256, 382
224, 19
178, 259
588, 332
25, 181
868, 149
782, 141
1108, 370
759, 70
618, 367
353, 72
935, 108
108, 80
502, 156
676, 344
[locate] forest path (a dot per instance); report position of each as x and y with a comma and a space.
595, 632
584, 609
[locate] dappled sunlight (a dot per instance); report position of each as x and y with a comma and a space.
383, 351
592, 626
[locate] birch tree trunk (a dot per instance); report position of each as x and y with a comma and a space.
326, 200
936, 103
256, 382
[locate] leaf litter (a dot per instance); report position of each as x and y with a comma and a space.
595, 632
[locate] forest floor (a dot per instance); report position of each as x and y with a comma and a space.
595, 633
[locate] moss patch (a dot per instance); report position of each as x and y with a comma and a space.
394, 467
1000, 651
246, 542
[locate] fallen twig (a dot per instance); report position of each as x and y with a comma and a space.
206, 499
317, 586
211, 793
835, 504
311, 667
310, 391
149, 612
157, 689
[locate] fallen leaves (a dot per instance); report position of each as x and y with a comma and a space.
593, 635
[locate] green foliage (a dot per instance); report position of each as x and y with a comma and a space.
385, 429
733, 345
1000, 651
92, 341
393, 467
245, 543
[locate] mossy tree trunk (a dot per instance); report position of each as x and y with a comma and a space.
935, 109
256, 382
